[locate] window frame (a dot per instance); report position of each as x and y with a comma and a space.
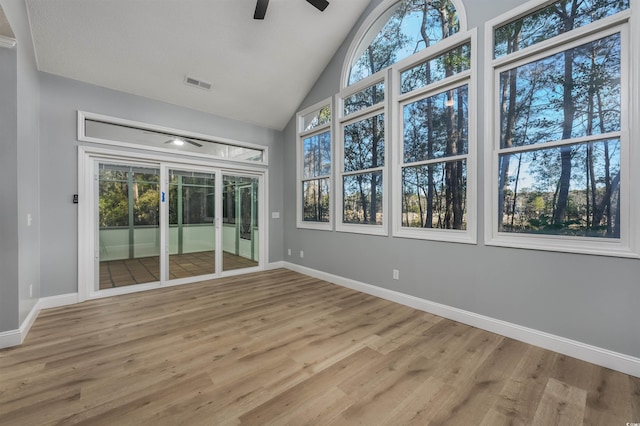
344, 120
391, 203
627, 244
302, 134
380, 10
83, 116
468, 78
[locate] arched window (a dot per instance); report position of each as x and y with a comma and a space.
404, 29
408, 70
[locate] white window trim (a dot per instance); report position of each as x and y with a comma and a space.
82, 136
379, 108
301, 135
468, 236
628, 244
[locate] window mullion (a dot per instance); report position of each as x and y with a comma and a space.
452, 82
438, 160
562, 142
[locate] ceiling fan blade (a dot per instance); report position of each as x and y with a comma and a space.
194, 143
261, 9
321, 5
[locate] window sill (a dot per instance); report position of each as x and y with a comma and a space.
319, 226
445, 235
579, 245
380, 230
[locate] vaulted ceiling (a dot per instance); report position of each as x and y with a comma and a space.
260, 70
5, 27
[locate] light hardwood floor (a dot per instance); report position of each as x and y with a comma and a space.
276, 348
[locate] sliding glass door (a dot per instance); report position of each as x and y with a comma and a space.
128, 225
192, 224
171, 224
240, 232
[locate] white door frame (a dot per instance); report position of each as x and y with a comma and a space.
87, 214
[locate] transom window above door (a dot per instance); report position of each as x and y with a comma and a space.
115, 131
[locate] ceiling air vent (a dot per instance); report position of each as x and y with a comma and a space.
197, 83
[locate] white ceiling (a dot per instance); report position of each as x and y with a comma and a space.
260, 70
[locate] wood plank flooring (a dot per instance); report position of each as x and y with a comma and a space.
280, 348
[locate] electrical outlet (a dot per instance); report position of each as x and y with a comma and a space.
29, 219
301, 254
396, 274
289, 252
30, 290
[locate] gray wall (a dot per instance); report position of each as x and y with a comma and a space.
60, 99
20, 271
28, 168
591, 299
8, 191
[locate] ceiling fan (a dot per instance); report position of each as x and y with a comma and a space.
175, 140
261, 7
181, 141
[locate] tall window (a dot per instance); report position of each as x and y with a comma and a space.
409, 72
314, 166
434, 160
560, 136
362, 155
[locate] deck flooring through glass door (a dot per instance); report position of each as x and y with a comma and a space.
120, 273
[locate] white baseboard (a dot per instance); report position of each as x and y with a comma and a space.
274, 265
10, 338
593, 354
60, 300
16, 337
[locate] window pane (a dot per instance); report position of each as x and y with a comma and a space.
317, 118
113, 203
452, 62
315, 195
434, 196
406, 28
572, 94
317, 155
151, 138
555, 19
571, 190
437, 126
364, 144
362, 201
365, 98
146, 203
191, 197
115, 181
128, 220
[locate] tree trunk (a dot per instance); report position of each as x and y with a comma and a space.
374, 157
363, 200
508, 113
428, 223
515, 191
568, 108
606, 208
